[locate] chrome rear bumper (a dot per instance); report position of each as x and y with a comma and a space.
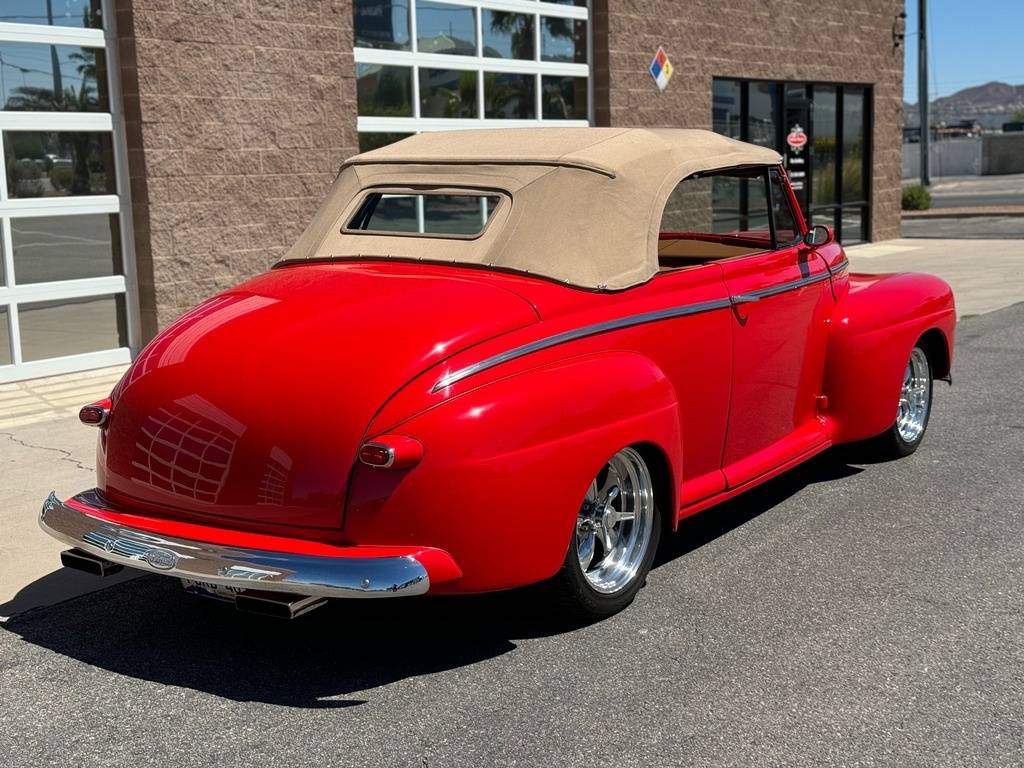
362, 576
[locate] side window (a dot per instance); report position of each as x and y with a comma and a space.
786, 231
716, 216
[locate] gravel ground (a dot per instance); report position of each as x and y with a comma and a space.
844, 614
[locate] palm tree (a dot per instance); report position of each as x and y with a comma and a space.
84, 99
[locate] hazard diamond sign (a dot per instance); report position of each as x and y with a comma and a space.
661, 69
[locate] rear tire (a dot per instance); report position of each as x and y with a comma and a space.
912, 413
614, 541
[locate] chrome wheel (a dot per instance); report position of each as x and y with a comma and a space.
613, 528
915, 398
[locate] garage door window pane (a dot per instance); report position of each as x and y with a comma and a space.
5, 337
563, 39
564, 98
48, 248
56, 13
32, 83
384, 91
59, 164
381, 24
507, 35
71, 327
509, 96
448, 93
443, 28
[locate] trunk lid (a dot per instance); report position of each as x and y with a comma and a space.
252, 406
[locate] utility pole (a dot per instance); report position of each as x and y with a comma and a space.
58, 86
922, 87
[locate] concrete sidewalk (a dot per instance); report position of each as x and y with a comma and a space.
986, 275
43, 447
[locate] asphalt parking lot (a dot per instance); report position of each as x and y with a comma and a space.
845, 614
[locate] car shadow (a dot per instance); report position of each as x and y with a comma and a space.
150, 629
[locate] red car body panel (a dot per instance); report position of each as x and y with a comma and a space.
242, 422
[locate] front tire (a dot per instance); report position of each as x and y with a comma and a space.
913, 411
617, 530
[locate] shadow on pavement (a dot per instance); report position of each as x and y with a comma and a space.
151, 630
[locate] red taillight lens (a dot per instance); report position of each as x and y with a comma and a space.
95, 415
391, 452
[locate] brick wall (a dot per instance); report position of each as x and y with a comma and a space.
238, 114
830, 41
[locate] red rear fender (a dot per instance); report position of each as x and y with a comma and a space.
506, 465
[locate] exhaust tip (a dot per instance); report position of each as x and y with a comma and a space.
278, 605
88, 563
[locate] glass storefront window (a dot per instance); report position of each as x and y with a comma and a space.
762, 117
852, 225
381, 24
443, 28
48, 248
71, 326
448, 93
563, 39
564, 98
54, 13
384, 91
835, 119
59, 164
853, 144
368, 141
725, 108
509, 96
507, 35
823, 146
53, 78
5, 338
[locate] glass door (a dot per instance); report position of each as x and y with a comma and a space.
64, 266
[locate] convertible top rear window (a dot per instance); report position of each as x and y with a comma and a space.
428, 214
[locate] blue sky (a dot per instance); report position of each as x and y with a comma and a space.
969, 43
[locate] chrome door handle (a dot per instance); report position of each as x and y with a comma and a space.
744, 298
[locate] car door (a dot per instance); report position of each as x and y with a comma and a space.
782, 301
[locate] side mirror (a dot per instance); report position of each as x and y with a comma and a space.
818, 235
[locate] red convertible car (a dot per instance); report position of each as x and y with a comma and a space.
497, 358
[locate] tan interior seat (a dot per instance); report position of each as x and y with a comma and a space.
683, 252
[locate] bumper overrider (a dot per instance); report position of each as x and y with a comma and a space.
87, 523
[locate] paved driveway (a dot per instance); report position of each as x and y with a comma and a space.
844, 614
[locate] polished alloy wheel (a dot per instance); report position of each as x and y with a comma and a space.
613, 528
915, 398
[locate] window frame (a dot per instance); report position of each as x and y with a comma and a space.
13, 293
535, 68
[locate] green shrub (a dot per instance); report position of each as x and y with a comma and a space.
916, 198
61, 176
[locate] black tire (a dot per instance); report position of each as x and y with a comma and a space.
894, 443
571, 594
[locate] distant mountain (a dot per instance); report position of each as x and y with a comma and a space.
990, 104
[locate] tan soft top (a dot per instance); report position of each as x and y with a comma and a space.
583, 205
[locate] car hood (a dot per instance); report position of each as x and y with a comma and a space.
252, 406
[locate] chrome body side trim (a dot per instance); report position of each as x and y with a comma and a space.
321, 576
579, 333
626, 322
